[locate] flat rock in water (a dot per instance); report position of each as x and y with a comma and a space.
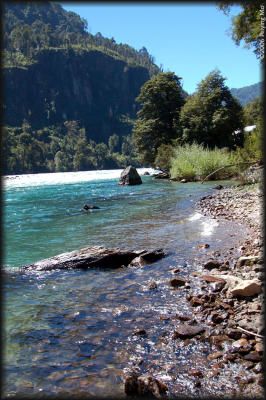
145, 385
147, 257
185, 331
176, 282
162, 175
130, 176
94, 257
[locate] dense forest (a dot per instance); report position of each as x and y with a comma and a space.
75, 101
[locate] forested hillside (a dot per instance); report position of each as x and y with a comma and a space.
75, 101
247, 94
56, 76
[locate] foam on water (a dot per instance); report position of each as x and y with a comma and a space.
62, 178
208, 225
195, 217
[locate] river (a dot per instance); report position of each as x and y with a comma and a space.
72, 332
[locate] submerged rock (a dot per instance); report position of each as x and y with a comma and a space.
94, 257
130, 176
162, 175
152, 285
178, 281
195, 372
86, 207
185, 331
144, 386
210, 264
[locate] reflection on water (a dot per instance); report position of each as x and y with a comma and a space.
72, 332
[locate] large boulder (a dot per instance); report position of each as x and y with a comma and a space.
130, 176
94, 257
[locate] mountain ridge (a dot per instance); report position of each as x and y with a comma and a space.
246, 94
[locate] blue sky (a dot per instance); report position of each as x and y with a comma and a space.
189, 39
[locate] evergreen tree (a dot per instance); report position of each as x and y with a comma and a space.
252, 111
212, 115
161, 99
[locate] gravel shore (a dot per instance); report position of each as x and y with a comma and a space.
240, 318
225, 293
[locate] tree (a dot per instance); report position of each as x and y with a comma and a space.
164, 155
252, 111
161, 99
247, 24
212, 114
62, 162
113, 142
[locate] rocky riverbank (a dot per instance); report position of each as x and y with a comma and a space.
227, 304
236, 304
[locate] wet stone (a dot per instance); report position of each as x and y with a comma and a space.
217, 318
218, 339
185, 331
214, 372
195, 302
242, 346
247, 364
213, 278
258, 368
152, 285
219, 364
211, 264
183, 317
140, 332
197, 383
214, 356
176, 270
144, 386
177, 282
234, 333
259, 347
195, 372
253, 356
217, 286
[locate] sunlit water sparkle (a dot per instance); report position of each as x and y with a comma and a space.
71, 332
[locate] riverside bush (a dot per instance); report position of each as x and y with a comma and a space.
195, 162
252, 149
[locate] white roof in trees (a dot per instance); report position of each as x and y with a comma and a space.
249, 128
246, 129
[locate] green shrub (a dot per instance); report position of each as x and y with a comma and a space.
253, 144
195, 162
163, 158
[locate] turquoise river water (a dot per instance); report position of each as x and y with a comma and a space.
70, 332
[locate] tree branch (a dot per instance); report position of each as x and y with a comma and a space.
249, 332
229, 165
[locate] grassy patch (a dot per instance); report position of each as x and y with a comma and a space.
195, 162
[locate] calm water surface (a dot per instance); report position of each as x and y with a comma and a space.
71, 332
